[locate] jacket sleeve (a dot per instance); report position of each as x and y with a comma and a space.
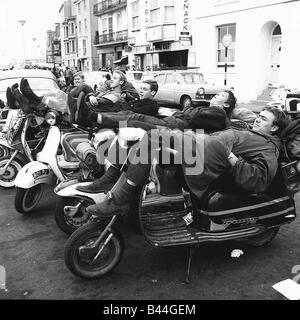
254, 176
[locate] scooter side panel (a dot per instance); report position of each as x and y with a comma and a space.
70, 191
34, 173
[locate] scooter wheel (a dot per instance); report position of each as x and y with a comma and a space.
81, 258
4, 151
26, 200
7, 179
69, 223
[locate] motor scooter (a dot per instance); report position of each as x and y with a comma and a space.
172, 216
21, 140
50, 166
70, 211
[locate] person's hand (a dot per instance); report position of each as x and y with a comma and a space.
232, 158
93, 100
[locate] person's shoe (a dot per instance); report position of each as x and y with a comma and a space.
117, 202
28, 93
108, 208
103, 184
22, 101
10, 98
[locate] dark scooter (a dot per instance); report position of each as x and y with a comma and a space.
172, 216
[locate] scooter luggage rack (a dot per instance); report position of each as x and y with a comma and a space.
162, 229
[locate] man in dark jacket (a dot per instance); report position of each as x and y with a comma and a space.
210, 118
250, 155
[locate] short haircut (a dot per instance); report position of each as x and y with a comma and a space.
281, 119
231, 102
79, 74
153, 85
122, 76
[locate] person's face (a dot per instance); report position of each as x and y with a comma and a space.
145, 91
219, 99
264, 123
116, 81
77, 81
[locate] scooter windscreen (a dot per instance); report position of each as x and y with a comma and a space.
57, 100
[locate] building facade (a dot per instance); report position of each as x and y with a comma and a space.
160, 34
87, 24
262, 49
112, 35
53, 46
69, 38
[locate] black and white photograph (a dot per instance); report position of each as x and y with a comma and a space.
149, 153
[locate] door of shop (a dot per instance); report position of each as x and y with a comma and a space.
275, 60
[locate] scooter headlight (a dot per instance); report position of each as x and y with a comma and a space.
51, 118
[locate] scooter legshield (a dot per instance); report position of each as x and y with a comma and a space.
34, 173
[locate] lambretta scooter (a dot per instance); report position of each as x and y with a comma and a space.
172, 216
70, 211
77, 160
20, 142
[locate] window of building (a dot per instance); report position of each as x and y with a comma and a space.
135, 15
79, 7
154, 12
222, 30
169, 11
67, 48
66, 31
85, 26
72, 46
72, 28
79, 26
84, 46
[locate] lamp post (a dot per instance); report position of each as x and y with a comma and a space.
22, 22
226, 41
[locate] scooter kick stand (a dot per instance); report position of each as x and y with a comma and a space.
191, 253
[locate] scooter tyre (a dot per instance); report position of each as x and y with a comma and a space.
111, 254
264, 238
60, 218
17, 165
4, 151
20, 198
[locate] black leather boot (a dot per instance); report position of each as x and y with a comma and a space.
11, 101
103, 184
28, 93
117, 202
22, 101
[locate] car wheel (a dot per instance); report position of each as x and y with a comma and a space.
186, 102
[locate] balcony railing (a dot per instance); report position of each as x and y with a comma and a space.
120, 36
107, 5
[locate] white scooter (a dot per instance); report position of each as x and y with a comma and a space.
70, 212
50, 167
15, 149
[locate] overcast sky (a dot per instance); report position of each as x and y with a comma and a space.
40, 16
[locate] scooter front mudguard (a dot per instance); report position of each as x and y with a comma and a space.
34, 173
69, 190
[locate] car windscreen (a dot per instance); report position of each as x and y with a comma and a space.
191, 78
36, 84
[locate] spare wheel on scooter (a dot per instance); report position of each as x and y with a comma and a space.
7, 179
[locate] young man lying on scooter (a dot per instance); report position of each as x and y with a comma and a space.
210, 118
250, 155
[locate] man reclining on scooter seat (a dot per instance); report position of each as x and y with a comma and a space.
250, 155
210, 118
203, 119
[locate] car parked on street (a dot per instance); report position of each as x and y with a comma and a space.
41, 81
95, 79
184, 88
